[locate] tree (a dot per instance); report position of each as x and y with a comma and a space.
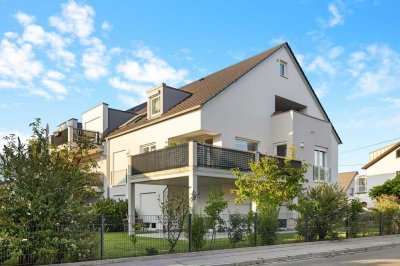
114, 212
45, 211
389, 208
390, 187
268, 183
326, 207
175, 210
215, 205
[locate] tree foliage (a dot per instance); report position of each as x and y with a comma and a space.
268, 183
114, 212
389, 209
215, 205
325, 207
44, 199
389, 187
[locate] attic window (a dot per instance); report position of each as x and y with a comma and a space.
283, 68
155, 107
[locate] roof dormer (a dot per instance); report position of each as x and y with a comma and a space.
161, 98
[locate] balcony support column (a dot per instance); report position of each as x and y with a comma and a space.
70, 134
193, 189
131, 208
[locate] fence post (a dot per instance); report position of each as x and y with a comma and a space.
102, 236
306, 226
190, 232
255, 228
348, 226
380, 223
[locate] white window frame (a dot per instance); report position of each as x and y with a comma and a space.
283, 66
248, 141
151, 105
318, 165
280, 144
358, 190
151, 147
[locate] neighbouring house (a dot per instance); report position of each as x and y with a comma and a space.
383, 165
346, 181
194, 135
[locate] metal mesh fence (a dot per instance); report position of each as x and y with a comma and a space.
109, 237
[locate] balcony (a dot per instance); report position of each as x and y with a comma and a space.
70, 135
322, 174
205, 156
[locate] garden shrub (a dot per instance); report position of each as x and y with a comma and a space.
268, 225
114, 211
326, 207
4, 249
355, 218
151, 251
199, 231
237, 228
390, 208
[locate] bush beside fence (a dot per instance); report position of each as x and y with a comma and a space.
148, 237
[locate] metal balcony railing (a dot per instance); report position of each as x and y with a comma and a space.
163, 159
91, 135
322, 174
222, 158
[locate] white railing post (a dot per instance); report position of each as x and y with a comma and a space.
131, 197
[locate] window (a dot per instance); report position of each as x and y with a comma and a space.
281, 150
282, 68
398, 153
155, 107
246, 145
148, 147
351, 191
321, 172
361, 185
118, 175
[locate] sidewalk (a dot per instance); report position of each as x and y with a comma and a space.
258, 255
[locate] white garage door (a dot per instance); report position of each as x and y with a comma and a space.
149, 204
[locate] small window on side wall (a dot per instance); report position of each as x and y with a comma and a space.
398, 153
246, 145
281, 149
283, 68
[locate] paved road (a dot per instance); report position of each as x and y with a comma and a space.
382, 257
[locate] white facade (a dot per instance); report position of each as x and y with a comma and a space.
384, 165
247, 109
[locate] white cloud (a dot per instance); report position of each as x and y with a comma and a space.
106, 26
394, 102
278, 40
117, 83
320, 63
94, 60
75, 19
53, 74
18, 61
54, 86
322, 90
335, 52
336, 18
24, 19
377, 71
130, 101
7, 84
148, 68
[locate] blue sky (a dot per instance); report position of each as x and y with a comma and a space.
59, 58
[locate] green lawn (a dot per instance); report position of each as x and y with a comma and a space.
117, 245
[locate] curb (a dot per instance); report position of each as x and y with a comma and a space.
305, 256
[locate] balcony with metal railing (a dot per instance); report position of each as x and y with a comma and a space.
204, 156
71, 135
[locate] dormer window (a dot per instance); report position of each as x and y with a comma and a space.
283, 68
155, 107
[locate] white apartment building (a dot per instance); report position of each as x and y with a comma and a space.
194, 135
384, 165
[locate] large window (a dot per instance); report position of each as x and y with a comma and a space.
246, 145
155, 107
118, 175
148, 147
321, 171
361, 185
